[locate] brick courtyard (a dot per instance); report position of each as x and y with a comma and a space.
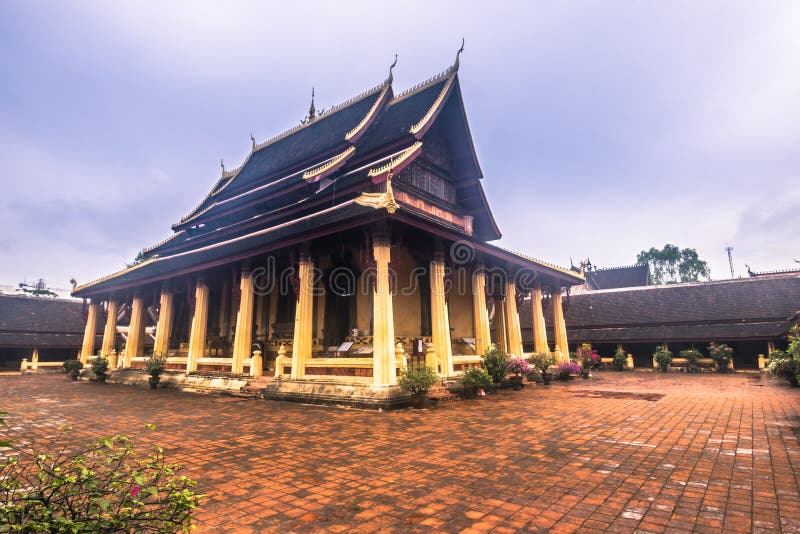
622, 452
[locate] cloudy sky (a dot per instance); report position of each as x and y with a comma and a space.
603, 128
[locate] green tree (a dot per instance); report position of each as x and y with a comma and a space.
672, 264
140, 257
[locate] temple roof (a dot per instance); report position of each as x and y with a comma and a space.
28, 322
729, 309
618, 277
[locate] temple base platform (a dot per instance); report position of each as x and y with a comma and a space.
334, 393
195, 382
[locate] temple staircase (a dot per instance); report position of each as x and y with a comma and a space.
255, 387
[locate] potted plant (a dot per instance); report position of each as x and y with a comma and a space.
722, 355
519, 367
73, 368
417, 381
495, 363
663, 358
620, 359
542, 362
692, 355
590, 359
100, 369
474, 379
786, 363
567, 370
155, 366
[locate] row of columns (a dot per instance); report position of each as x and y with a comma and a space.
384, 349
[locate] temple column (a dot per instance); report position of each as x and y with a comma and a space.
440, 319
224, 299
243, 339
539, 327
164, 326
559, 325
512, 320
480, 314
500, 324
35, 359
303, 318
384, 371
110, 334
134, 347
197, 336
87, 349
261, 302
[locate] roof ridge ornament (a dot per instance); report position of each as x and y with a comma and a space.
390, 79
222, 164
458, 55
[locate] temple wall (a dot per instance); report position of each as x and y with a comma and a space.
406, 301
460, 305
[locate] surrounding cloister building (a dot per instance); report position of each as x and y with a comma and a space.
339, 251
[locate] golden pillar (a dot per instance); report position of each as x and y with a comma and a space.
512, 321
243, 339
87, 349
440, 319
164, 326
539, 327
224, 298
500, 324
110, 334
559, 325
197, 336
134, 347
383, 348
303, 318
35, 359
273, 306
261, 319
480, 313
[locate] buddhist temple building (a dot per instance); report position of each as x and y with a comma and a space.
339, 251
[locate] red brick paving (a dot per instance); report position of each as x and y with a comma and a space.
716, 453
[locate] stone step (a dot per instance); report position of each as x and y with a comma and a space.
439, 394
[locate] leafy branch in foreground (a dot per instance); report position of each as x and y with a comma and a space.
103, 487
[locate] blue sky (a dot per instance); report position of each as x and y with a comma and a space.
603, 128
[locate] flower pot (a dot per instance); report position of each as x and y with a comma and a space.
153, 381
74, 375
101, 379
586, 373
420, 400
516, 382
546, 379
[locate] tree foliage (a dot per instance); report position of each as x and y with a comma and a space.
103, 487
672, 264
140, 258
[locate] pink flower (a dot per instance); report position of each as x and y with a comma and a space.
135, 491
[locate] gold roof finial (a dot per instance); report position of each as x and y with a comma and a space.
253, 140
458, 55
312, 111
222, 164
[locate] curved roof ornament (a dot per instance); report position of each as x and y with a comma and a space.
391, 75
253, 141
222, 164
458, 55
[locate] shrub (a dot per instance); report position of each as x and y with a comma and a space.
103, 487
589, 357
495, 363
518, 366
542, 361
100, 367
565, 369
663, 357
475, 378
786, 364
155, 365
691, 355
417, 379
721, 354
620, 359
73, 367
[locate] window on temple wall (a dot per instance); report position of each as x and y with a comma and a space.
284, 313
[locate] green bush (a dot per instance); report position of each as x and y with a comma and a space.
722, 355
495, 363
417, 379
155, 365
663, 357
620, 359
786, 364
104, 487
542, 361
692, 355
476, 378
100, 367
73, 367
